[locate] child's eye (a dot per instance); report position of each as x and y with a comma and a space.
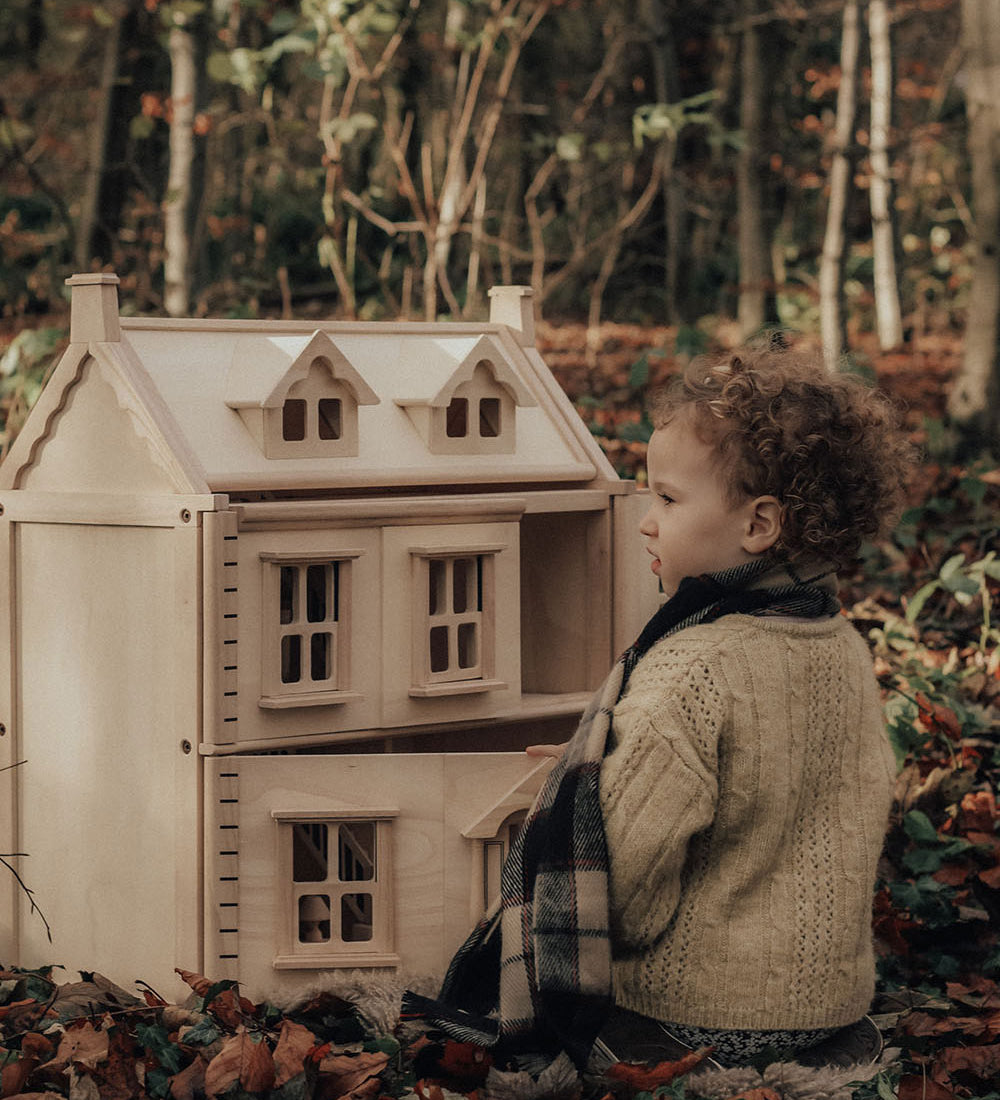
666, 499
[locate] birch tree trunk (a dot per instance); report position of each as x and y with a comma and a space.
754, 254
888, 320
833, 326
975, 395
177, 288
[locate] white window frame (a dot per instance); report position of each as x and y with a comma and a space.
318, 385
337, 623
333, 952
456, 677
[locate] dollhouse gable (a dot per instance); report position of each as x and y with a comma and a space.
297, 395
469, 408
99, 427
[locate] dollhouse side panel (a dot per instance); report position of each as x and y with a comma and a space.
108, 708
8, 746
424, 886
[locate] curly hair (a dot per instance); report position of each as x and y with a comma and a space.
828, 446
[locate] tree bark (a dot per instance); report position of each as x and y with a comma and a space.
833, 328
975, 395
177, 288
754, 255
666, 89
888, 319
98, 145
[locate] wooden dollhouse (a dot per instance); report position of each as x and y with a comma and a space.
286, 601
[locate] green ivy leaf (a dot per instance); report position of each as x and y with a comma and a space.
923, 861
919, 827
156, 1040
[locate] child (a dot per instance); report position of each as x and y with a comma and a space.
746, 782
701, 862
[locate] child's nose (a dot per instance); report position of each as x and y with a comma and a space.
646, 524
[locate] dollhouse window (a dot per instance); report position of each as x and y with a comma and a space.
475, 415
495, 851
338, 900
315, 413
475, 411
307, 629
453, 620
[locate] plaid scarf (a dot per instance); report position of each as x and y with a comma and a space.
542, 955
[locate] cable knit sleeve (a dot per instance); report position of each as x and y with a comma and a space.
658, 786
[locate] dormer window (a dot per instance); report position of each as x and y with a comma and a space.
297, 395
485, 418
318, 417
472, 408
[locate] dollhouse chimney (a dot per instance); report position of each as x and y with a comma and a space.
512, 306
94, 308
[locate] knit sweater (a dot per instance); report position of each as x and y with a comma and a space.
745, 794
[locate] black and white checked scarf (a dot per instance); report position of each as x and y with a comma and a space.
542, 956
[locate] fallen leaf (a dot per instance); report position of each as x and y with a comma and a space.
915, 1087
190, 1082
347, 1071
14, 1075
35, 1043
94, 993
117, 1077
756, 1094
295, 1042
991, 877
367, 1090
82, 1044
198, 982
230, 1009
979, 811
82, 1086
982, 1060
980, 992
649, 1078
242, 1060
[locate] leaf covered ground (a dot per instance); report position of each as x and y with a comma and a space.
926, 602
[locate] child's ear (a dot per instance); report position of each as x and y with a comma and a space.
763, 524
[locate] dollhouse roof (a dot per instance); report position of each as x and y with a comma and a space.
184, 384
264, 368
433, 378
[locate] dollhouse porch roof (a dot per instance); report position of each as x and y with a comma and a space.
188, 380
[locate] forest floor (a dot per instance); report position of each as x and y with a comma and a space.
925, 601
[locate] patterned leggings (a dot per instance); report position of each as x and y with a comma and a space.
737, 1048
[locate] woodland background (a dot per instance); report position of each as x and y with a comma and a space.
670, 177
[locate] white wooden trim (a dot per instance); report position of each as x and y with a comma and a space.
309, 699
334, 962
473, 470
333, 814
307, 557
458, 550
455, 687
380, 512
533, 706
108, 509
